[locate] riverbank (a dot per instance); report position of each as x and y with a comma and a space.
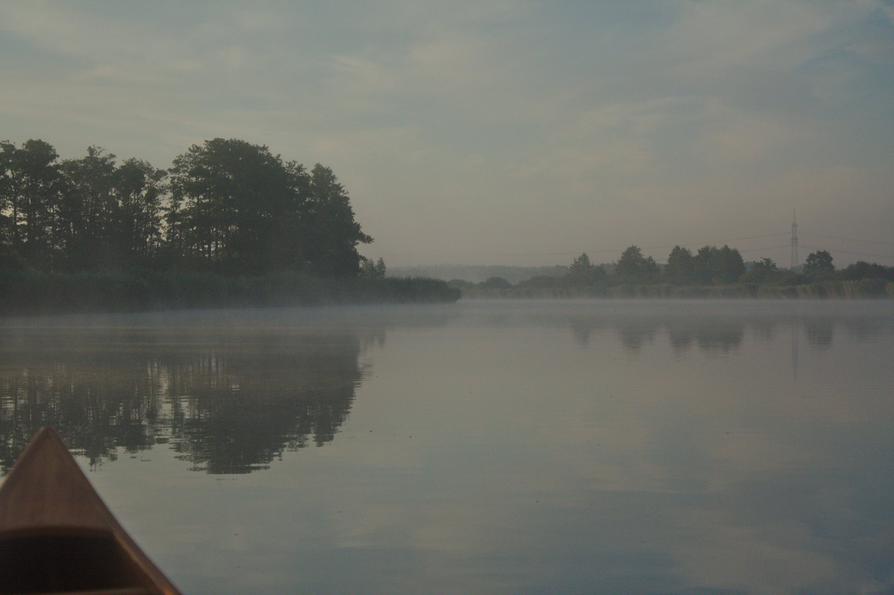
30, 292
861, 289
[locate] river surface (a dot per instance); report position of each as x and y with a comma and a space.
481, 447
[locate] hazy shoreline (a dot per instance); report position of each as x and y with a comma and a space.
830, 290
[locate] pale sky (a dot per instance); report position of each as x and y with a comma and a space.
499, 132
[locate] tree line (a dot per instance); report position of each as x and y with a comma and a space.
712, 265
707, 266
225, 206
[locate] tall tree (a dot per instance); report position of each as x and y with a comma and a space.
580, 268
227, 205
139, 189
87, 218
335, 234
867, 270
762, 271
732, 266
32, 188
819, 263
7, 164
634, 266
718, 265
236, 207
226, 194
679, 265
583, 272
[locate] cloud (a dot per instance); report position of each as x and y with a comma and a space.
578, 117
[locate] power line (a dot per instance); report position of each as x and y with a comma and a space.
856, 252
780, 247
794, 245
846, 239
729, 241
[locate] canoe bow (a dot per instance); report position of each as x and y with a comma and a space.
57, 535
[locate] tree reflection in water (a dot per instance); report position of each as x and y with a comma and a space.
229, 393
225, 402
717, 335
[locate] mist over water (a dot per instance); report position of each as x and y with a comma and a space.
541, 205
592, 446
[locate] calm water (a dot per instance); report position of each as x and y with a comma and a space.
538, 447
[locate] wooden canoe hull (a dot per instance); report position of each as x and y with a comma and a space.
57, 535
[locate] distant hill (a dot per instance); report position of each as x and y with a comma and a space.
477, 273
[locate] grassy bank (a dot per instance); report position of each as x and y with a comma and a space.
861, 289
31, 292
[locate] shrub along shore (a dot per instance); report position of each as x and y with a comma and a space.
33, 292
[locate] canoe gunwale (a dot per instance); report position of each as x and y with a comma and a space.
56, 531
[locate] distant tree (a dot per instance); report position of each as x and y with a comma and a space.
866, 270
496, 283
367, 268
765, 265
634, 266
543, 281
580, 266
732, 265
679, 265
819, 263
762, 271
582, 272
460, 284
718, 265
370, 269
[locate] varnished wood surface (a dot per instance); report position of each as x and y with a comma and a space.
46, 495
